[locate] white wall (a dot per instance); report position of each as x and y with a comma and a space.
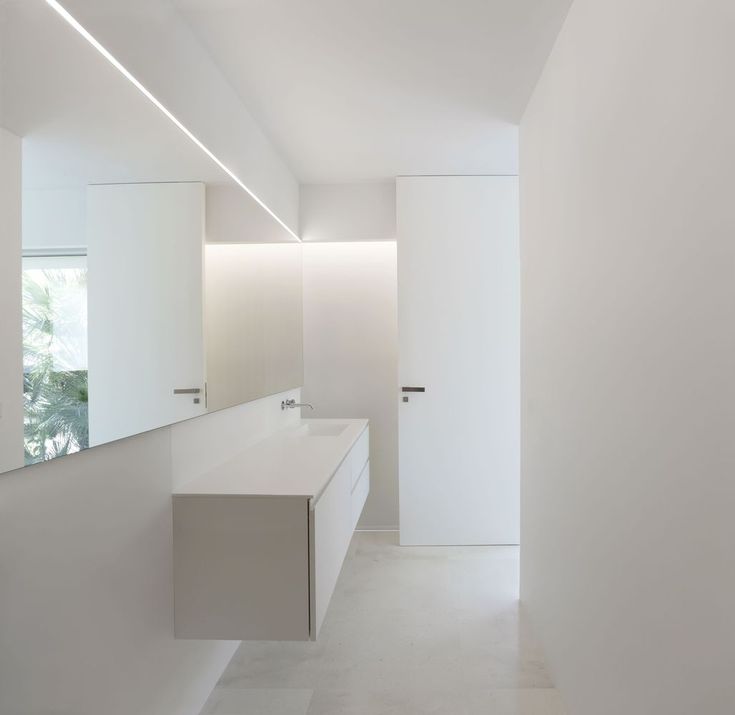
11, 336
348, 212
351, 354
627, 155
54, 218
151, 39
86, 623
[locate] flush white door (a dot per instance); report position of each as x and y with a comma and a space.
145, 286
459, 338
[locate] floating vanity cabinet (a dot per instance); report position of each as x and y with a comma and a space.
259, 542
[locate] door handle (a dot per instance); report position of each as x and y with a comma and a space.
191, 391
406, 388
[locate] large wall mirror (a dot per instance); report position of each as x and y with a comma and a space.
140, 285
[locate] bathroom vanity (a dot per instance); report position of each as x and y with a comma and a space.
259, 541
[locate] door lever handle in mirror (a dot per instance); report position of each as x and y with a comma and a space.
413, 389
187, 391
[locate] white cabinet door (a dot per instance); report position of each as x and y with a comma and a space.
459, 328
145, 287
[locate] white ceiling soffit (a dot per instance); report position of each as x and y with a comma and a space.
353, 90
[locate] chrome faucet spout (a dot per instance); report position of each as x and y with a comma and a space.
291, 404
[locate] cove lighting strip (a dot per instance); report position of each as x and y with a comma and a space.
73, 22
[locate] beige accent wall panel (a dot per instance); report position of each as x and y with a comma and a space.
351, 354
241, 567
252, 321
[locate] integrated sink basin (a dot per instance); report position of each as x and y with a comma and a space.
330, 429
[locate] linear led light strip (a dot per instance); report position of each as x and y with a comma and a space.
71, 20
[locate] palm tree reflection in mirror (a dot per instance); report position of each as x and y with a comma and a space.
56, 420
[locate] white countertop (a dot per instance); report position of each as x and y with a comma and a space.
290, 462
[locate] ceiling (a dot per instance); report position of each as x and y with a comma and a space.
81, 121
356, 90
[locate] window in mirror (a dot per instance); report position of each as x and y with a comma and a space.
56, 420
111, 201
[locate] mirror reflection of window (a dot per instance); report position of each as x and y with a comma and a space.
56, 418
93, 173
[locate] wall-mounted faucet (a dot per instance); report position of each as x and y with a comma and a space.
291, 404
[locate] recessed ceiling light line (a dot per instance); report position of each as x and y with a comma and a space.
73, 22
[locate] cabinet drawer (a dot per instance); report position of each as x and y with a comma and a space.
359, 495
359, 456
331, 532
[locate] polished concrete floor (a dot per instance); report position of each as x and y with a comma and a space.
410, 631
